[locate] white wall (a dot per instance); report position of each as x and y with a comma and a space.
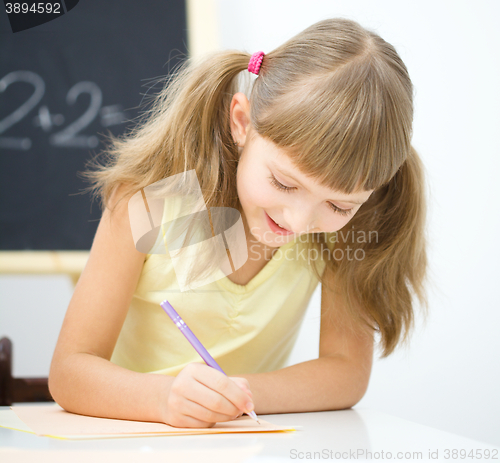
450, 375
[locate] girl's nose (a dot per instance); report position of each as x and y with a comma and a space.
301, 221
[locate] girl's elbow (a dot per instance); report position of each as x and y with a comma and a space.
54, 384
56, 381
360, 391
357, 398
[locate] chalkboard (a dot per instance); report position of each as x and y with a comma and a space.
64, 84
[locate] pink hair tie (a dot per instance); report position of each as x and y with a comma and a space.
255, 62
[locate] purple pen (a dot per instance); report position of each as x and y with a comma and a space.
193, 340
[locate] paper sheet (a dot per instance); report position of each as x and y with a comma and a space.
53, 421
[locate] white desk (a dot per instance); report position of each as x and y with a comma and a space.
354, 432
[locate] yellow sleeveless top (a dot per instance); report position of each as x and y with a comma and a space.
246, 329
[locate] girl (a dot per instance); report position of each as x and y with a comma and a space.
322, 142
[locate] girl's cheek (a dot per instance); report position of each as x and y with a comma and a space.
262, 198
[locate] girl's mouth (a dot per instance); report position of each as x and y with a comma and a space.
276, 228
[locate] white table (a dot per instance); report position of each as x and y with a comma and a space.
357, 433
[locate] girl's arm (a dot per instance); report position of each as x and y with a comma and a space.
83, 380
336, 380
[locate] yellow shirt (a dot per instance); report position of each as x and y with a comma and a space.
246, 329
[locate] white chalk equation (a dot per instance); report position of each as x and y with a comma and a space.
69, 136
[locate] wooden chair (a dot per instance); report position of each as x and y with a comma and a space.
19, 389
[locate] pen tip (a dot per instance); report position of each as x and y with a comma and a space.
253, 416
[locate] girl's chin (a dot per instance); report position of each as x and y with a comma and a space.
268, 238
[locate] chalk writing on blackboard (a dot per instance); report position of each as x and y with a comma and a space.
69, 136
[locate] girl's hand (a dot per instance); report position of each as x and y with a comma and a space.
201, 396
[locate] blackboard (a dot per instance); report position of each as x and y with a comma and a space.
64, 84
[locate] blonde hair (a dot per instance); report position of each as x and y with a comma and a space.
338, 99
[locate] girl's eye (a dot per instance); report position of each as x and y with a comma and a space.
289, 189
279, 185
340, 211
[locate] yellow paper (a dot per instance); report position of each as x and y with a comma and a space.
53, 421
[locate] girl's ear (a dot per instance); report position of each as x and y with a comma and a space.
240, 118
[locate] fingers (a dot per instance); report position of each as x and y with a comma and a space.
184, 421
215, 402
226, 394
243, 384
182, 411
203, 415
200, 396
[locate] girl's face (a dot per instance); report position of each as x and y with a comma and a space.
273, 191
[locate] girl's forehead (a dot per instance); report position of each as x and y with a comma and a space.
281, 160
282, 165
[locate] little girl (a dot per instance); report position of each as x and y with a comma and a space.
323, 141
